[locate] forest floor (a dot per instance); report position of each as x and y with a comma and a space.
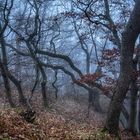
64, 120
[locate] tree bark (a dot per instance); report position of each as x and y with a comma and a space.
138, 113
133, 102
55, 86
42, 71
6, 84
129, 37
22, 98
43, 83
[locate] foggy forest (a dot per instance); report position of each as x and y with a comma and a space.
69, 70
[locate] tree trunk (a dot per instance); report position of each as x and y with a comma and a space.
44, 97
138, 114
133, 110
9, 75
133, 103
129, 37
6, 84
54, 86
112, 122
40, 67
3, 67
43, 85
22, 98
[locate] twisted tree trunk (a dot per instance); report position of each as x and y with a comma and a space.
129, 37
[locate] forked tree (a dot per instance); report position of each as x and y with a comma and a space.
129, 37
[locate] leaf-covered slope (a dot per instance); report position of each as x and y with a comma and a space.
48, 126
12, 126
60, 124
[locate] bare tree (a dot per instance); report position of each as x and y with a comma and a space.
129, 37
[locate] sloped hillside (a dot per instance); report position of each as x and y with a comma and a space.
13, 127
48, 126
60, 123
